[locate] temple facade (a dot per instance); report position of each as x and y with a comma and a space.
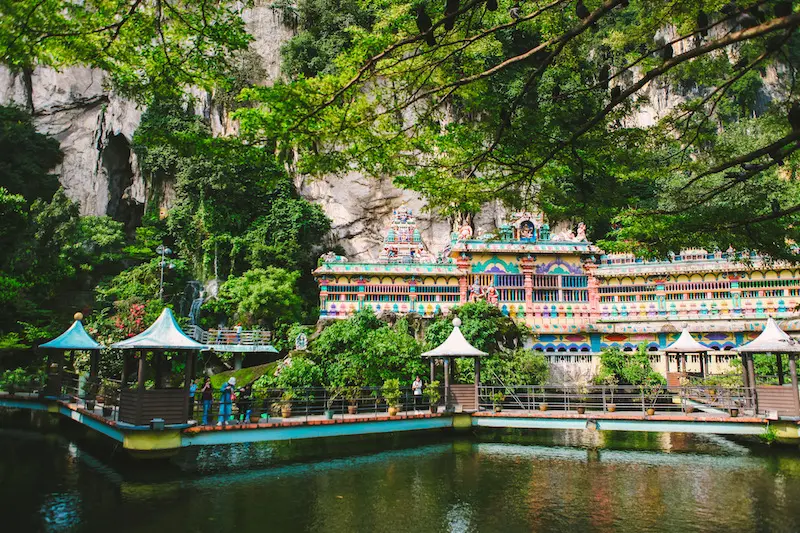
575, 299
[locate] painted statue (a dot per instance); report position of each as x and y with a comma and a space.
581, 236
475, 292
465, 233
491, 295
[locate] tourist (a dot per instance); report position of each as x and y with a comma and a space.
416, 387
192, 391
207, 393
226, 401
238, 330
244, 403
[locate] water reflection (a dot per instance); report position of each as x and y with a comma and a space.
545, 481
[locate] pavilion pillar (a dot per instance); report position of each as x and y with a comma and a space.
477, 383
124, 376
433, 369
745, 376
187, 382
666, 362
793, 375
446, 382
158, 363
140, 388
751, 377
94, 363
702, 365
779, 360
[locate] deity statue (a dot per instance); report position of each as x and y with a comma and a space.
491, 295
465, 232
475, 292
527, 230
581, 236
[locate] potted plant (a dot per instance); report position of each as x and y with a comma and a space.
283, 406
391, 393
651, 388
497, 401
543, 404
90, 389
611, 381
352, 393
433, 395
110, 390
581, 395
333, 394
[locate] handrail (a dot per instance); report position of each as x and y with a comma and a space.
229, 336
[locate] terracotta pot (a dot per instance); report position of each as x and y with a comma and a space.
543, 406
498, 408
254, 417
734, 412
393, 411
286, 412
434, 409
612, 407
352, 409
581, 409
650, 411
689, 409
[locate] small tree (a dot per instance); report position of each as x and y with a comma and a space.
432, 393
391, 392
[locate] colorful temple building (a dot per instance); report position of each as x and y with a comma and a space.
576, 300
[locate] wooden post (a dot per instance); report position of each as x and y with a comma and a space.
124, 376
446, 382
94, 363
666, 355
745, 376
140, 388
751, 376
187, 381
779, 358
433, 369
158, 363
702, 364
477, 383
793, 376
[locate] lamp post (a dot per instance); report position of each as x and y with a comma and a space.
163, 251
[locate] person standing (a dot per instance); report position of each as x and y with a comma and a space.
207, 394
238, 330
226, 401
416, 388
192, 391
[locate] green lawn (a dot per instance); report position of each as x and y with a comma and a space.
243, 376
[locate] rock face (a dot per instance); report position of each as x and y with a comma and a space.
100, 171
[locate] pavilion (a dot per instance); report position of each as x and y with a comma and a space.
140, 406
685, 344
783, 400
74, 339
455, 346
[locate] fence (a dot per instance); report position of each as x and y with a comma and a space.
634, 398
253, 337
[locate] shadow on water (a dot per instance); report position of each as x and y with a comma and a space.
490, 481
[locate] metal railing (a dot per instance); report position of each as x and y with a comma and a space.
253, 337
625, 398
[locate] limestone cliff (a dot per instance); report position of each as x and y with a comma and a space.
95, 127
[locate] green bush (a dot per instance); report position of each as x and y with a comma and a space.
391, 391
15, 380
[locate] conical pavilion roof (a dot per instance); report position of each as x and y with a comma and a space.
75, 338
772, 340
455, 345
163, 334
686, 344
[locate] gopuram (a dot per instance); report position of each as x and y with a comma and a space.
575, 299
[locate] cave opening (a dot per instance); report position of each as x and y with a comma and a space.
122, 206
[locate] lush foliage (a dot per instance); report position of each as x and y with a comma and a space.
554, 109
629, 368
261, 296
147, 45
483, 325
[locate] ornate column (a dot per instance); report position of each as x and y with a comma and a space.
527, 269
593, 286
463, 263
736, 295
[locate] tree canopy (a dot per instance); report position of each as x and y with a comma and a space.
545, 104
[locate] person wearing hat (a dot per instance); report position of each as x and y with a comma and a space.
226, 401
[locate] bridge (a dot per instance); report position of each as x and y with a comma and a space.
233, 340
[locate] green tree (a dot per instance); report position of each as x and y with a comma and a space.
266, 296
483, 325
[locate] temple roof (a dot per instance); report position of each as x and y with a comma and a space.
163, 334
772, 340
686, 344
455, 345
75, 338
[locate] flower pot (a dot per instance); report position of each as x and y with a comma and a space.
393, 410
90, 405
286, 411
254, 417
107, 411
352, 409
689, 409
734, 412
498, 408
543, 406
612, 407
650, 411
581, 409
434, 409
329, 414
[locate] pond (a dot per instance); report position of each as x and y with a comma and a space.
544, 481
